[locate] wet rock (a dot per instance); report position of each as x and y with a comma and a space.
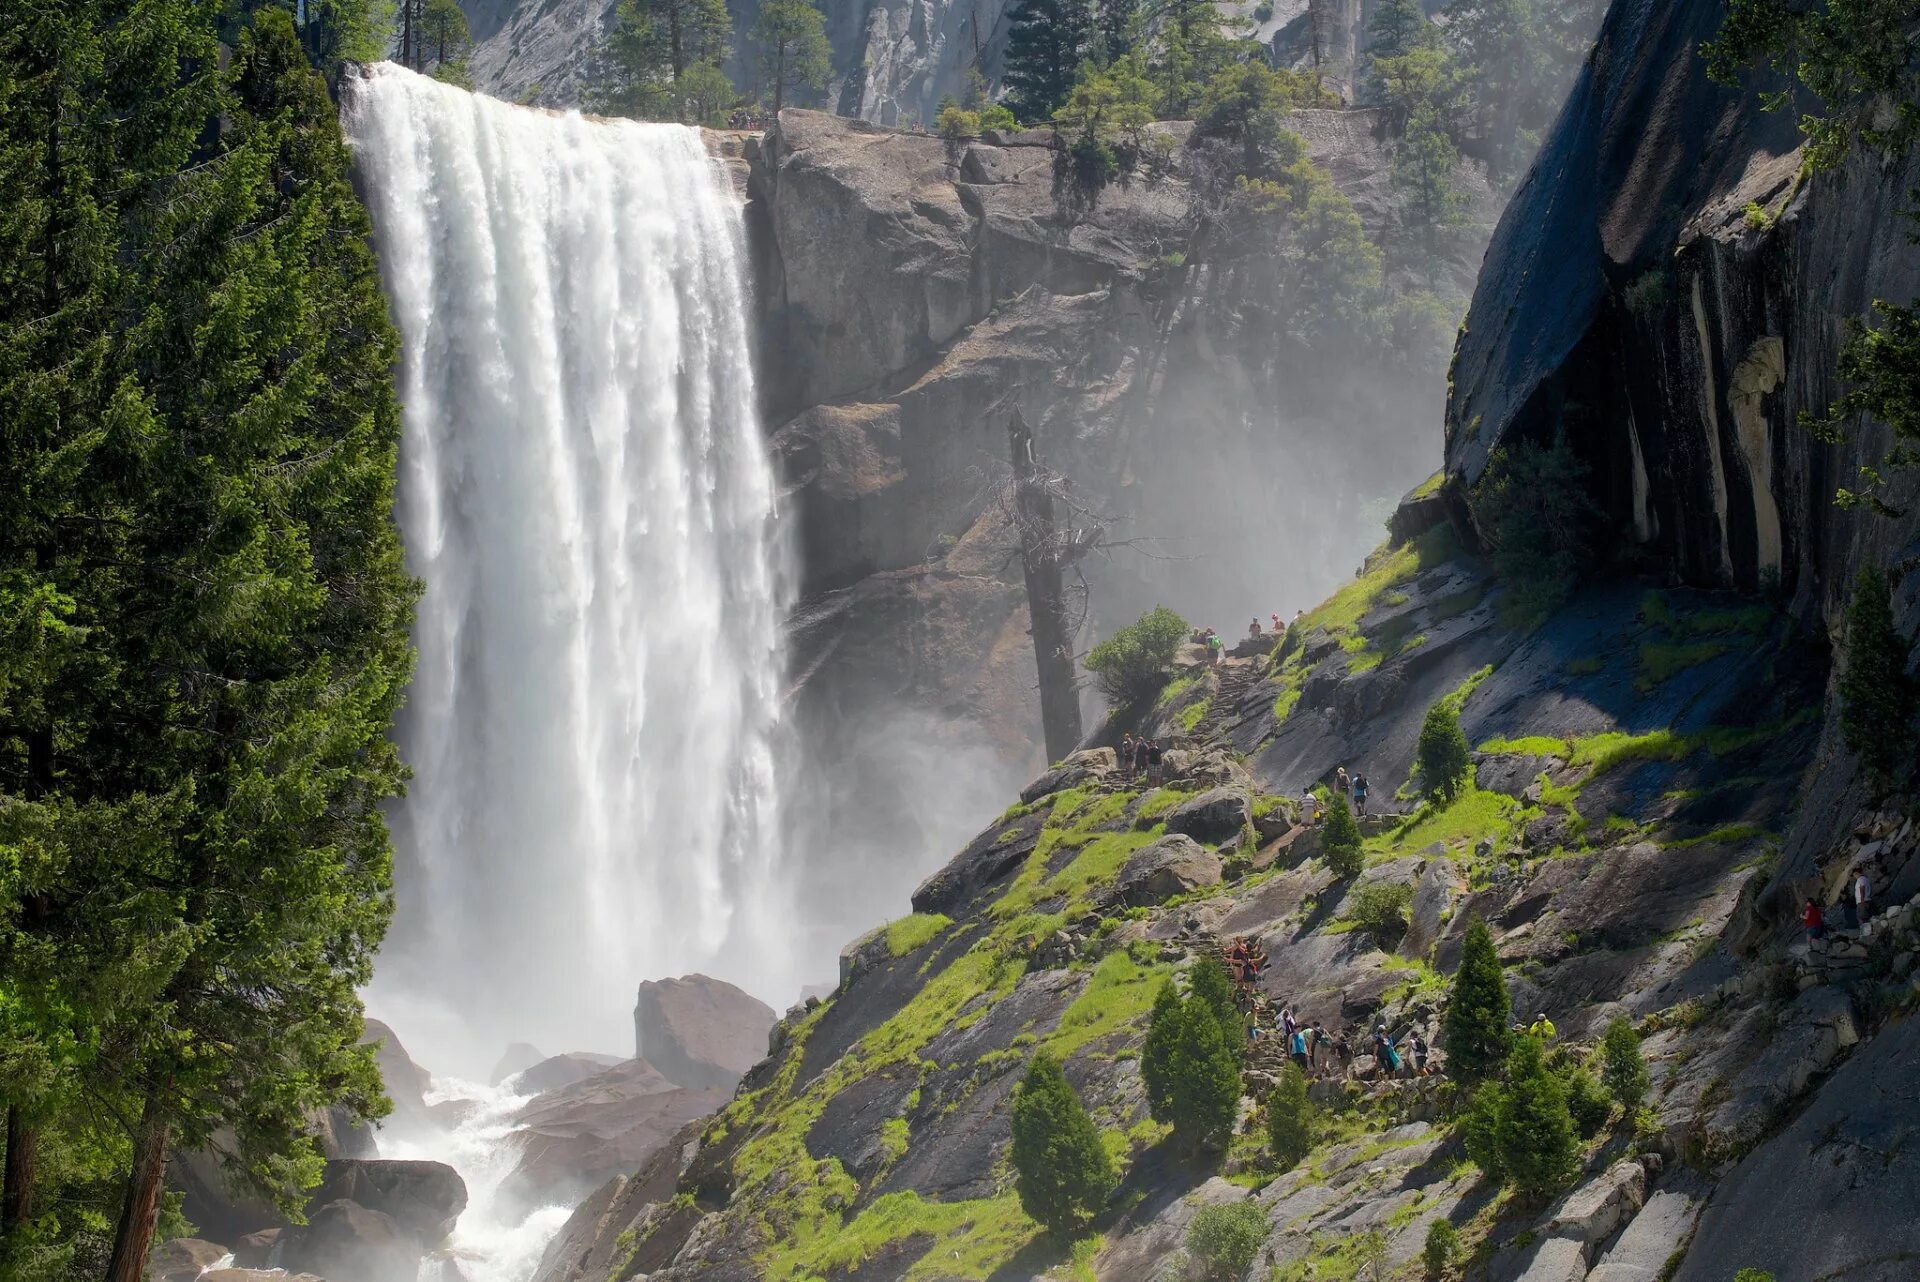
555, 1071
424, 1199
518, 1058
184, 1259
700, 1032
256, 1250
1171, 866
1213, 817
257, 1275
345, 1240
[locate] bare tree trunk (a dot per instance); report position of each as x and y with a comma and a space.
1046, 595
133, 1238
23, 1148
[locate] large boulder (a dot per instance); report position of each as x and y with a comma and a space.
1173, 865
345, 1240
424, 1199
700, 1032
184, 1259
517, 1058
555, 1071
1213, 817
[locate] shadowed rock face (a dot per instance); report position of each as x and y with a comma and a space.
698, 1031
1629, 301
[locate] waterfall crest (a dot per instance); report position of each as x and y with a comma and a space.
586, 494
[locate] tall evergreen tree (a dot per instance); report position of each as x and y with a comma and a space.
1623, 1070
1290, 1118
1046, 43
1478, 1009
1876, 695
1191, 1065
1340, 839
1062, 1169
792, 38
644, 60
1425, 171
1397, 27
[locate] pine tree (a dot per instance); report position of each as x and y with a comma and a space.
1191, 1067
1046, 43
1477, 1033
792, 38
1622, 1069
1290, 1118
1211, 985
1442, 755
1538, 1144
1064, 1174
1876, 694
1397, 27
1164, 1031
1340, 840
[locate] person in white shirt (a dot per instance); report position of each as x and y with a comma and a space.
1862, 898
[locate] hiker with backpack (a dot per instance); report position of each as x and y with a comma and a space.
1359, 794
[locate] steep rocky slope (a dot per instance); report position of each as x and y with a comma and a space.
1657, 782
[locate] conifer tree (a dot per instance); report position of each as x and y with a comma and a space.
1397, 27
1064, 1174
1478, 1010
1211, 985
1290, 1118
1623, 1071
1340, 839
1876, 694
1164, 1031
1442, 754
1191, 1067
792, 38
1046, 43
1538, 1143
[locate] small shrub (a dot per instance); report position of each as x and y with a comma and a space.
1263, 12
1753, 1275
1380, 909
1622, 1068
955, 123
1064, 1173
1133, 665
995, 116
1442, 1245
1340, 840
1290, 1119
1225, 1237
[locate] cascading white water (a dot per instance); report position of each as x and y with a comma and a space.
587, 497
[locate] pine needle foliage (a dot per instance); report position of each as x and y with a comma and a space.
1478, 1009
1064, 1173
1876, 694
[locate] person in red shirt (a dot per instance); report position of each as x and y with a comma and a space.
1815, 920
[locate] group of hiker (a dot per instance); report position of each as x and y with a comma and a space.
1142, 758
1215, 647
1318, 1051
1814, 917
1353, 787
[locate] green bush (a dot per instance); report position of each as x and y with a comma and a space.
1587, 1100
1442, 1245
1290, 1118
994, 116
1380, 909
1225, 1237
1133, 665
1064, 1173
1263, 12
955, 123
1534, 514
1876, 695
1753, 1275
1442, 756
1622, 1069
1478, 1009
1340, 840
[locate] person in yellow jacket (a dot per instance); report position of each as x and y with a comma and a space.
1543, 1028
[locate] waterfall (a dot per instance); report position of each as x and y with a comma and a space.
586, 495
